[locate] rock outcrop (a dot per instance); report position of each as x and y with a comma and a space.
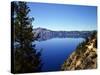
84, 57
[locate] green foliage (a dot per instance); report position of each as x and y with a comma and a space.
26, 59
81, 48
84, 56
95, 45
94, 35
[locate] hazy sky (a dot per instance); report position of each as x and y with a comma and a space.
63, 17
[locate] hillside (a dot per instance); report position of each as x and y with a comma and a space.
46, 34
84, 57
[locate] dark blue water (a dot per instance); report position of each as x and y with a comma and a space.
56, 51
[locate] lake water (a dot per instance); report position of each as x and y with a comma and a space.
55, 51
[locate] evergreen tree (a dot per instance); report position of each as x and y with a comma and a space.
26, 59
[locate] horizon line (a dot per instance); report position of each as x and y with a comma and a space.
65, 30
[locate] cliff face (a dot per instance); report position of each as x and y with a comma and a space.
46, 34
85, 56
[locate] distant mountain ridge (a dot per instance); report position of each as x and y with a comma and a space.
45, 34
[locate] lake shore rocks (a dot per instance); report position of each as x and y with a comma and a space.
84, 57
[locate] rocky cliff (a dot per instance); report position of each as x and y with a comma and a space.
46, 34
84, 57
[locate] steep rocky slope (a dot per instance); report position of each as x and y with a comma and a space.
84, 57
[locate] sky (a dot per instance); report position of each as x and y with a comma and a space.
63, 17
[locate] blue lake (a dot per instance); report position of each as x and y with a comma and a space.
55, 51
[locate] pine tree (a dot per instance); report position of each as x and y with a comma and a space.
26, 59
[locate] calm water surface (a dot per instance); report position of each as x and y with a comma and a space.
55, 51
